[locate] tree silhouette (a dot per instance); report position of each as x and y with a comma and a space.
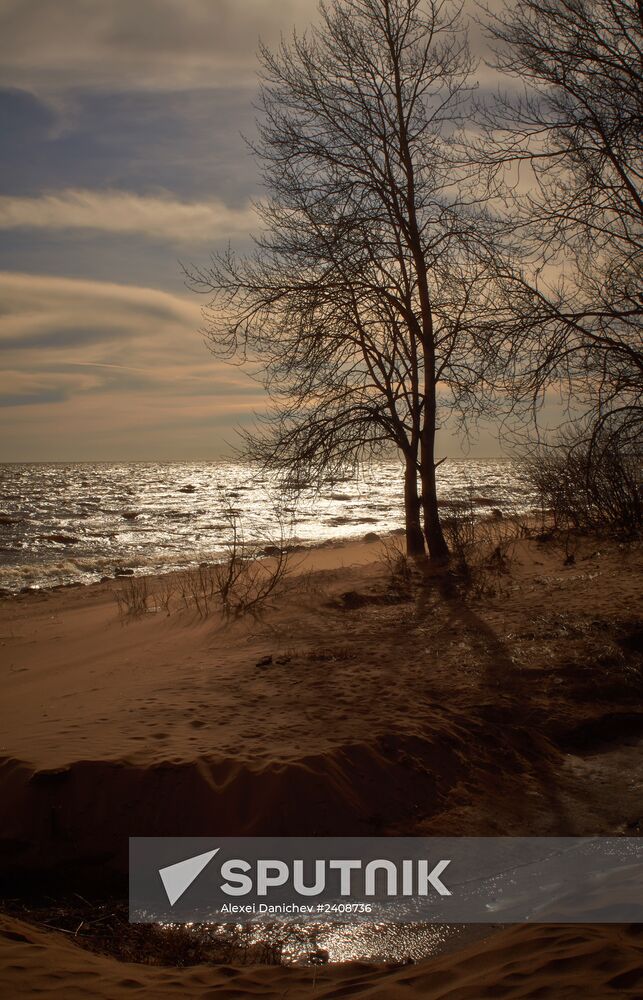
566, 155
361, 306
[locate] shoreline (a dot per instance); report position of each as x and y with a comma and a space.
79, 679
65, 527
527, 518
296, 549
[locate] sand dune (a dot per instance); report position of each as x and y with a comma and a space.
553, 962
56, 816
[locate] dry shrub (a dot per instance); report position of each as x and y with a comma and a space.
588, 481
314, 582
103, 927
400, 569
133, 597
166, 591
481, 549
241, 583
245, 580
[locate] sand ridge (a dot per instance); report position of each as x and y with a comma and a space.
554, 962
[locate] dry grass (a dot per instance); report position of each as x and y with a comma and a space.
104, 927
481, 554
133, 597
243, 582
482, 551
331, 654
401, 572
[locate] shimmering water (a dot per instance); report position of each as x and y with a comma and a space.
293, 943
64, 523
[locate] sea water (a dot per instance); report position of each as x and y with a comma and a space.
64, 523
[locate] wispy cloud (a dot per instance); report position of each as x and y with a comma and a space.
124, 212
101, 370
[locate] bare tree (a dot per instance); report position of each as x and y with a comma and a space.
360, 308
566, 155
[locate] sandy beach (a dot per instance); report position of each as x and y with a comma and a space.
346, 708
564, 963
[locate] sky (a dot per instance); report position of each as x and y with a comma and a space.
123, 155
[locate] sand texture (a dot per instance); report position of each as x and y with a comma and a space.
349, 707
557, 962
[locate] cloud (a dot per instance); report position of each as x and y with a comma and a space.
56, 48
33, 304
125, 212
101, 370
123, 120
149, 44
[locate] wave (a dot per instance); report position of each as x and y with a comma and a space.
158, 517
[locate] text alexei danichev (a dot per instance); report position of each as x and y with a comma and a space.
306, 909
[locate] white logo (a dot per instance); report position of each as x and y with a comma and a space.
179, 877
405, 879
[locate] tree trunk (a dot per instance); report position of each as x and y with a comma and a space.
438, 548
414, 536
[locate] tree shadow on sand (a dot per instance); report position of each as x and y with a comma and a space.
506, 692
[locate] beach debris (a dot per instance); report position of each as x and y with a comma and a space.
265, 661
123, 571
371, 536
130, 515
353, 599
190, 488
